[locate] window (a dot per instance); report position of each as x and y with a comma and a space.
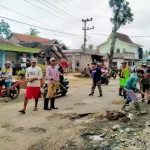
117, 50
124, 50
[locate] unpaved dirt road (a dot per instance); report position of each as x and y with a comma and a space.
52, 130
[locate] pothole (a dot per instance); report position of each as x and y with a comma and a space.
72, 118
79, 104
18, 129
37, 129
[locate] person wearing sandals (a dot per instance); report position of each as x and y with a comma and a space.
33, 75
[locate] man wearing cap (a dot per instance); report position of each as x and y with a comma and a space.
6, 73
33, 75
96, 76
124, 75
52, 77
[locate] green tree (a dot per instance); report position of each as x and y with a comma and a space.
91, 46
4, 29
82, 46
33, 32
121, 16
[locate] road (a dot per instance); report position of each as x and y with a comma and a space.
27, 132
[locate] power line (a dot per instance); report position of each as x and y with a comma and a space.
28, 17
56, 10
51, 13
38, 26
61, 10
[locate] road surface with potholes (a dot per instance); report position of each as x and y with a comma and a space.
53, 130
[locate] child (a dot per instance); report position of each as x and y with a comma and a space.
130, 87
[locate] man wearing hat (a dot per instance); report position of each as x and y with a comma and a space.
96, 76
124, 75
52, 77
6, 73
33, 75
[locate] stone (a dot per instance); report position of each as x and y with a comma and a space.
116, 127
127, 130
102, 135
96, 138
121, 131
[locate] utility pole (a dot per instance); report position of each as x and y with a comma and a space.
85, 29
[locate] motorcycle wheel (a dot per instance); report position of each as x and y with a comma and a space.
115, 75
14, 93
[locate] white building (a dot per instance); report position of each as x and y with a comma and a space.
125, 50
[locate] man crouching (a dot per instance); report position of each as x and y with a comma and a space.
130, 87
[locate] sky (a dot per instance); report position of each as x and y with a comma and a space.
64, 17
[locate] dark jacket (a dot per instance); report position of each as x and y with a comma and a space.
96, 74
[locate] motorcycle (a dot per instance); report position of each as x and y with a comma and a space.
113, 73
104, 79
14, 90
63, 88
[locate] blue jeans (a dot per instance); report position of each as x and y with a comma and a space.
131, 96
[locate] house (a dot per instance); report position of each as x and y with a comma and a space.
125, 50
84, 57
12, 52
48, 47
47, 50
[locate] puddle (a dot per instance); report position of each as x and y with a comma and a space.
96, 138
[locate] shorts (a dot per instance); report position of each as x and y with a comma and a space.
33, 92
131, 96
147, 87
8, 84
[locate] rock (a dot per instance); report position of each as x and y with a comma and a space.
113, 135
122, 140
102, 135
96, 138
127, 130
116, 148
116, 127
121, 131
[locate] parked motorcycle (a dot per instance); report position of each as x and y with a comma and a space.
63, 88
14, 90
104, 79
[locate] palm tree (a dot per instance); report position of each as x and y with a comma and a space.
33, 32
91, 46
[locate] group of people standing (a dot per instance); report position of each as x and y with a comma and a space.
54, 76
128, 86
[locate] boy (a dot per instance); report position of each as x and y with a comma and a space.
130, 87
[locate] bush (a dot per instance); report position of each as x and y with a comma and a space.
21, 74
43, 68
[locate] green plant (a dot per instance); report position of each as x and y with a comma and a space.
21, 73
43, 68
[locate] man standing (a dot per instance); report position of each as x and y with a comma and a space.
24, 62
77, 65
124, 75
52, 77
6, 73
45, 62
33, 75
96, 76
130, 87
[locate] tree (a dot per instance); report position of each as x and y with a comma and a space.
33, 32
121, 15
82, 46
91, 46
4, 29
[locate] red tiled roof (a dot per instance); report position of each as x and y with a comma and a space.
27, 38
125, 38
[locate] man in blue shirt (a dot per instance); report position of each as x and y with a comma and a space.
96, 76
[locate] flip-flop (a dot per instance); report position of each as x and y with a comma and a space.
35, 109
22, 111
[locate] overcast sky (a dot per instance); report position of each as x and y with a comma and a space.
72, 12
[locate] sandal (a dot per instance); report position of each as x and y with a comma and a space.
35, 109
22, 111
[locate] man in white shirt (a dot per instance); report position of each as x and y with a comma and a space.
33, 75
